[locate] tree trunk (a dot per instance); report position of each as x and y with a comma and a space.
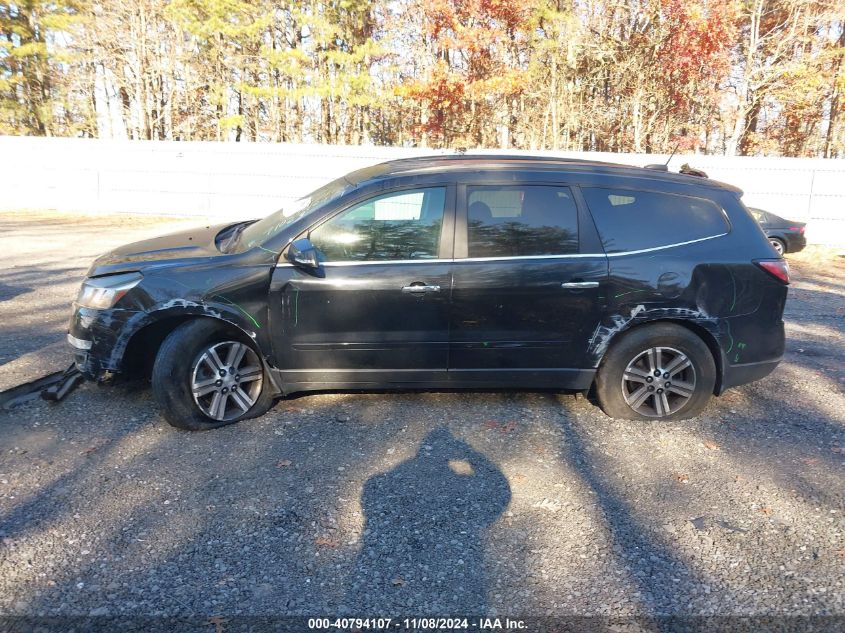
834, 99
746, 142
553, 103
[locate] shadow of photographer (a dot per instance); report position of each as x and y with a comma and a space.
425, 520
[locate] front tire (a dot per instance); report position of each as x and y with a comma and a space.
206, 376
661, 371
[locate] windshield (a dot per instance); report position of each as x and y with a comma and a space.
259, 232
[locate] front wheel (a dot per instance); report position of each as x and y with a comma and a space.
206, 376
660, 371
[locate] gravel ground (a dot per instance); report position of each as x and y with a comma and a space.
428, 503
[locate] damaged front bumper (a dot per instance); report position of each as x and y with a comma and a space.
97, 337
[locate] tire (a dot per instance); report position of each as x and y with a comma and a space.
779, 245
628, 368
184, 360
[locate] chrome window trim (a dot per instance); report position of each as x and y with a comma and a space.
388, 261
513, 257
660, 248
523, 257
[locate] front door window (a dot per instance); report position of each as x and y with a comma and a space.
402, 225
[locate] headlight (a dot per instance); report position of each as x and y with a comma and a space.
104, 292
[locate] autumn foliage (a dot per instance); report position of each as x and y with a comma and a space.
715, 76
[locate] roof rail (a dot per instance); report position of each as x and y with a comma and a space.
692, 171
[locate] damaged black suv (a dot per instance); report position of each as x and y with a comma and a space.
654, 289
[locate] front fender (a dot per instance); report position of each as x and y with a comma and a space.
179, 309
235, 294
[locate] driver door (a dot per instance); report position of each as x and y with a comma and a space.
376, 309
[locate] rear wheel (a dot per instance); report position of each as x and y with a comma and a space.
206, 376
660, 371
778, 245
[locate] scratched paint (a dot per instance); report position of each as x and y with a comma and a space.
733, 285
730, 336
604, 333
630, 292
235, 305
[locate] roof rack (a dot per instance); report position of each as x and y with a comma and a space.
458, 161
466, 156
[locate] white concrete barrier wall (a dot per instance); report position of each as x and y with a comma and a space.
241, 180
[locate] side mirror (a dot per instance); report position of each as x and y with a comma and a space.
303, 253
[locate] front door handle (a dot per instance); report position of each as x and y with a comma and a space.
580, 284
420, 288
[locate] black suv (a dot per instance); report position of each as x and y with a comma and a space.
655, 289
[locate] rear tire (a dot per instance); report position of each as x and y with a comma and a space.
656, 372
183, 362
778, 244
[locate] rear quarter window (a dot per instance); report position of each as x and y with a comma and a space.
629, 220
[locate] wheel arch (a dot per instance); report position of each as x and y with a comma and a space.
708, 337
142, 346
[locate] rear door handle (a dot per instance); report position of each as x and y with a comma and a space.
420, 289
580, 284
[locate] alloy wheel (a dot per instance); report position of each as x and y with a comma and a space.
777, 245
658, 382
226, 380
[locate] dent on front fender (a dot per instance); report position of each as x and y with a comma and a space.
233, 295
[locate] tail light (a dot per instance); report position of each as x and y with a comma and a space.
800, 229
777, 268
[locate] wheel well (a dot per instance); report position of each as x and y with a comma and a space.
143, 347
703, 333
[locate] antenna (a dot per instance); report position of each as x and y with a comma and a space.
664, 166
672, 155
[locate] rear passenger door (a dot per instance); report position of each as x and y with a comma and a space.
528, 281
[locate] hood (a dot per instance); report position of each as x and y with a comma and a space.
181, 248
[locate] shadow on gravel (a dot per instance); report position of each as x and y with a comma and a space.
423, 548
8, 291
53, 501
661, 578
775, 428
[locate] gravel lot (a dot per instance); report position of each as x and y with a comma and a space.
517, 504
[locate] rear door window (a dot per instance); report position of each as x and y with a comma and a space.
629, 220
521, 221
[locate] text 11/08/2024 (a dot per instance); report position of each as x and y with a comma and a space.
413, 624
